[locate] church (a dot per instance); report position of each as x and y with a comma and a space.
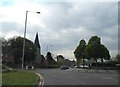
38, 58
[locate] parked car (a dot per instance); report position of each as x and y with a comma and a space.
64, 67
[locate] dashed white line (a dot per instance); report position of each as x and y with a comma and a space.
106, 77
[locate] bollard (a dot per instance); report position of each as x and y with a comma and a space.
26, 67
32, 67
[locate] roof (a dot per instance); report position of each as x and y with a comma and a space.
37, 41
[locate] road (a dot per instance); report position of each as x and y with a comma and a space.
75, 77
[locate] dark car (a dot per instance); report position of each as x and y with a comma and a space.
64, 67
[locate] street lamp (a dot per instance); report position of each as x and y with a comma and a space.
23, 53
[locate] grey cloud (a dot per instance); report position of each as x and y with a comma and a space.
95, 18
11, 26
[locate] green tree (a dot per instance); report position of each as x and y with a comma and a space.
104, 53
79, 51
94, 40
42, 59
117, 58
5, 46
60, 59
96, 50
50, 60
14, 46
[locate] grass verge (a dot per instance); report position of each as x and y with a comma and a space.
19, 78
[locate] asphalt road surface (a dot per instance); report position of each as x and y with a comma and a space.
75, 77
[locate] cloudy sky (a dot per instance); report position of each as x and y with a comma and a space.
61, 24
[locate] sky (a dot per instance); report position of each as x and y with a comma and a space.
61, 24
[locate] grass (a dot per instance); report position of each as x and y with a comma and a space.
19, 78
0, 79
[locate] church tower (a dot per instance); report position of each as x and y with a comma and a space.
38, 52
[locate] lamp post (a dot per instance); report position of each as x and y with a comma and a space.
23, 52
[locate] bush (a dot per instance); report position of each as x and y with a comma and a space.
105, 64
48, 66
6, 69
110, 65
10, 64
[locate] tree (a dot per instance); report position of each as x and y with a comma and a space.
96, 50
104, 53
42, 59
5, 46
60, 59
14, 47
117, 58
94, 40
79, 51
50, 59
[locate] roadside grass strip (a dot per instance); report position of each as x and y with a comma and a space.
19, 78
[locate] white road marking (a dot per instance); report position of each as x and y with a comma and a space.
83, 83
109, 78
41, 82
106, 77
85, 77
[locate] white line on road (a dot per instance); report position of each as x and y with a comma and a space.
82, 83
41, 82
107, 78
85, 77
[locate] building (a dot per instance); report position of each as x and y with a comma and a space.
7, 58
38, 52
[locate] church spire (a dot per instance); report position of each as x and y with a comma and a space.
37, 40
38, 50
